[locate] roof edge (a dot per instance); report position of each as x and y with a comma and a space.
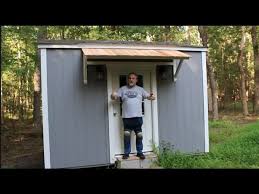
110, 43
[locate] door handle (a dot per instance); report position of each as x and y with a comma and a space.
114, 114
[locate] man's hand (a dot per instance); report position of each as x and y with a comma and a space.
151, 97
114, 96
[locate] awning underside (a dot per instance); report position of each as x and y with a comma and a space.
95, 53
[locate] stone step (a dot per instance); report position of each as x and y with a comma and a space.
133, 162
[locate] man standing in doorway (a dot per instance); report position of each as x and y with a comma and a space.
132, 96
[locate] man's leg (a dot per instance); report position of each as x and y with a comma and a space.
139, 138
127, 133
139, 143
127, 146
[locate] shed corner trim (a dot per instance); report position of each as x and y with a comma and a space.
45, 119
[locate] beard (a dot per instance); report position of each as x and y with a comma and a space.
131, 84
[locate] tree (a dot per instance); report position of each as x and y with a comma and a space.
2, 107
42, 34
204, 36
21, 71
240, 62
167, 33
256, 68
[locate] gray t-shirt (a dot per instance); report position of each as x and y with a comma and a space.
132, 100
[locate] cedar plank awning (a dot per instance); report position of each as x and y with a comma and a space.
108, 53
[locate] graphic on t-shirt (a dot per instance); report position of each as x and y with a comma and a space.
132, 101
131, 94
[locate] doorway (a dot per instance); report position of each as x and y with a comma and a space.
117, 77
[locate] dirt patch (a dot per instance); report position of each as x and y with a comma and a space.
21, 145
238, 118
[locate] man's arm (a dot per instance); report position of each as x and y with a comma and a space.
114, 96
151, 96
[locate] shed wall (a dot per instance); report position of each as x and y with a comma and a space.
181, 107
78, 117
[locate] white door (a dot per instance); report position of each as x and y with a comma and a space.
119, 78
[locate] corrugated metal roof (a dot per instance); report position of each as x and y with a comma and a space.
136, 53
115, 42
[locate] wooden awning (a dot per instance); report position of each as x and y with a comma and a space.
119, 53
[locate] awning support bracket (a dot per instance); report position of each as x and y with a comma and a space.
84, 69
175, 73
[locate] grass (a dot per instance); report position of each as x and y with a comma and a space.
231, 146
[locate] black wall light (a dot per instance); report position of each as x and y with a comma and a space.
166, 72
100, 72
170, 72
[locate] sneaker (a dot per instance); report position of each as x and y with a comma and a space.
125, 156
141, 156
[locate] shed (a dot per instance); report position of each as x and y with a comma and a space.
82, 126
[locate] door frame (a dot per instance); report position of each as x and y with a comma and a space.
113, 66
147, 119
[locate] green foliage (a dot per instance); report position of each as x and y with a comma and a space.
232, 147
19, 55
223, 45
18, 59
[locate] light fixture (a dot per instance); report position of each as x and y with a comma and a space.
100, 72
164, 72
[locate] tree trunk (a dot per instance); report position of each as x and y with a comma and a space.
204, 36
42, 34
62, 32
26, 83
189, 39
19, 105
167, 33
225, 99
2, 106
113, 28
242, 73
256, 69
209, 99
36, 100
21, 112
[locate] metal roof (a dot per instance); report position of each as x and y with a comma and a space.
114, 43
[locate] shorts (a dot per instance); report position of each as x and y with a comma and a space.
134, 123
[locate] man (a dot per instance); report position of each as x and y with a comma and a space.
132, 96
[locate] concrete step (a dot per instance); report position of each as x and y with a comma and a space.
133, 162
